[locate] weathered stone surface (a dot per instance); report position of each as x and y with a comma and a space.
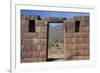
43, 42
43, 47
44, 29
80, 58
76, 35
80, 40
30, 17
84, 35
80, 46
83, 40
68, 55
79, 18
84, 29
39, 47
34, 48
79, 52
35, 54
38, 29
24, 28
42, 35
27, 41
24, 21
68, 35
27, 47
24, 17
81, 35
69, 28
84, 23
42, 54
35, 41
27, 54
53, 19
29, 35
40, 23
68, 46
85, 46
42, 59
26, 60
76, 46
68, 41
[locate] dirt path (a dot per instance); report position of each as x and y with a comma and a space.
56, 52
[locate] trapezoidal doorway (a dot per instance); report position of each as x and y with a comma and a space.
55, 48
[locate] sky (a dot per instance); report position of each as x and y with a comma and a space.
53, 14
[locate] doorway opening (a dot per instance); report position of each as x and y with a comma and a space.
55, 42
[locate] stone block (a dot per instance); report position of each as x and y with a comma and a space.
27, 47
84, 29
44, 29
35, 54
34, 48
39, 47
69, 26
68, 55
68, 35
83, 40
36, 60
79, 18
81, 35
43, 47
24, 28
27, 41
42, 35
30, 35
68, 46
53, 19
24, 17
76, 46
84, 23
42, 59
36, 41
38, 28
85, 46
43, 41
80, 40
76, 35
79, 52
84, 35
24, 22
42, 54
26, 60
80, 57
68, 41
40, 23
27, 54
75, 40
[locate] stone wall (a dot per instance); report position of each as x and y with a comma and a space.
76, 43
34, 44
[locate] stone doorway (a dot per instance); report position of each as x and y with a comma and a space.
55, 41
